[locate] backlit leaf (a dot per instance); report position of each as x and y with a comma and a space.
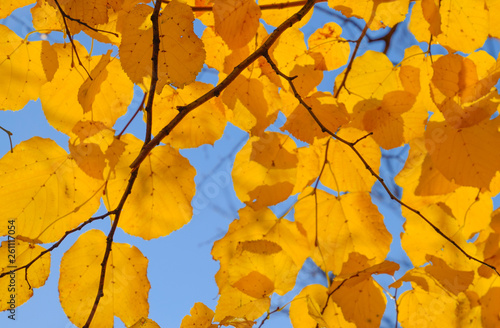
45, 190
345, 224
15, 290
8, 6
201, 317
125, 289
168, 180
236, 21
265, 170
21, 70
175, 46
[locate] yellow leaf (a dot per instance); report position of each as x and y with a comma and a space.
204, 125
15, 289
275, 17
464, 24
361, 299
462, 155
307, 307
236, 21
201, 317
95, 148
385, 118
46, 17
175, 46
328, 49
265, 170
43, 188
105, 99
372, 76
234, 306
166, 178
8, 6
236, 322
416, 230
378, 13
261, 256
21, 70
328, 111
254, 105
145, 323
344, 170
217, 50
345, 224
310, 160
125, 289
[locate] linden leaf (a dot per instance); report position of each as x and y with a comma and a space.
345, 224
234, 306
372, 76
168, 180
21, 70
265, 170
361, 299
236, 21
89, 88
254, 106
15, 289
125, 289
204, 125
328, 111
236, 322
443, 219
462, 155
145, 323
95, 148
92, 12
175, 46
276, 16
8, 6
45, 190
105, 98
464, 24
385, 118
345, 171
201, 317
377, 13
306, 310
328, 49
260, 257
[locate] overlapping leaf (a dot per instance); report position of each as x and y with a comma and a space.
166, 178
21, 70
15, 289
125, 288
178, 42
45, 191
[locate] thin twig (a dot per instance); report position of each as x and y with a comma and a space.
66, 234
71, 38
133, 117
215, 92
10, 139
82, 23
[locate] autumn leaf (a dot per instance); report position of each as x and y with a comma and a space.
45, 191
21, 70
181, 42
169, 180
17, 287
125, 289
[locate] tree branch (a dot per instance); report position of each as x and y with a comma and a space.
216, 91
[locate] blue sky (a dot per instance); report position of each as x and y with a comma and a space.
181, 269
